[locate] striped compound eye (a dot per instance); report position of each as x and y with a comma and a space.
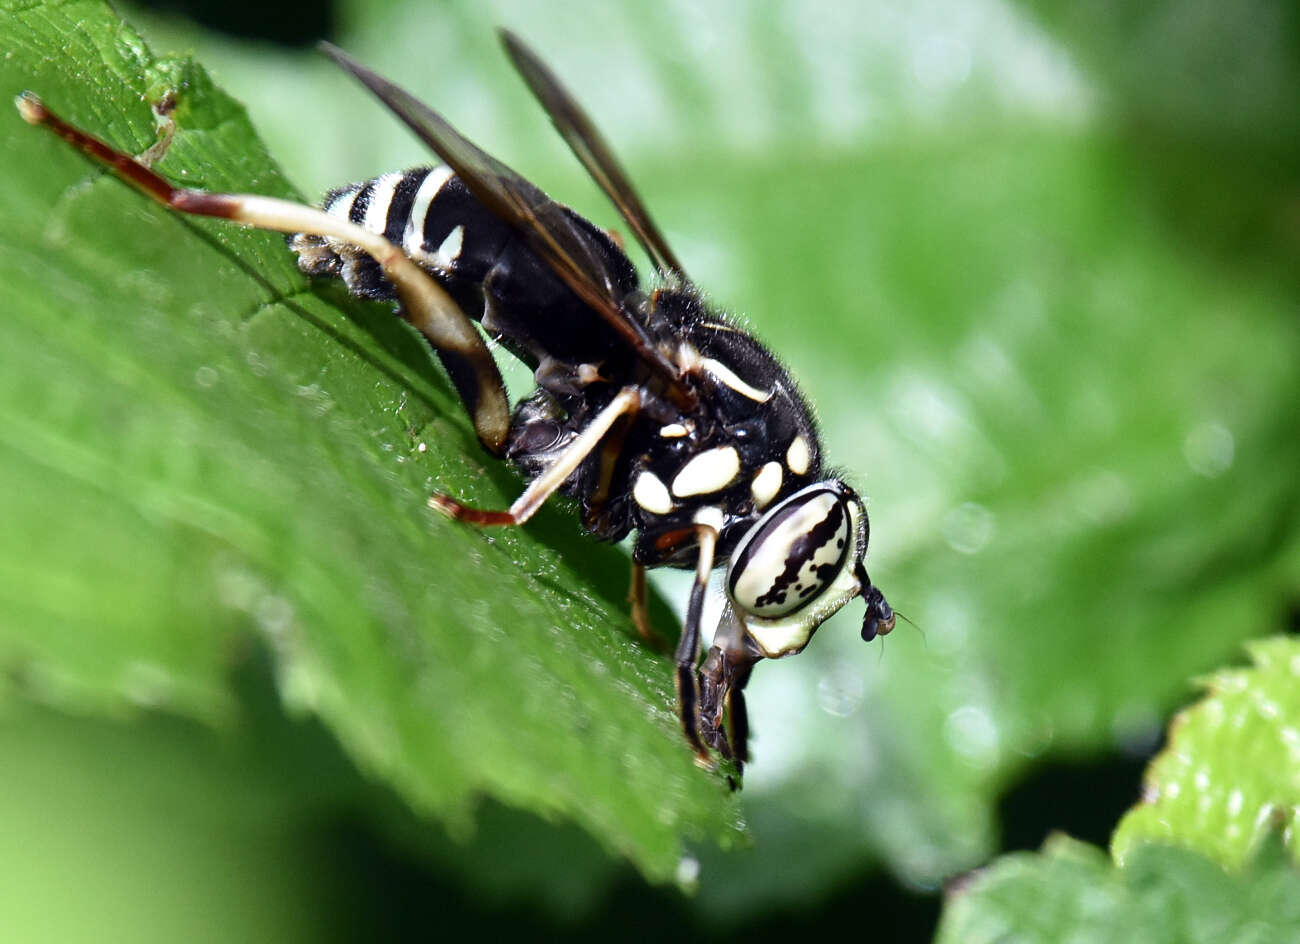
793, 553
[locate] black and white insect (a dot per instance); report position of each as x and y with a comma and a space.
658, 414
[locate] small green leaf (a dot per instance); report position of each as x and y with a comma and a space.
199, 448
1071, 894
1231, 771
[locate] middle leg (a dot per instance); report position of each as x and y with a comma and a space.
627, 401
638, 596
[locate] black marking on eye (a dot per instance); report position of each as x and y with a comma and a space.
801, 552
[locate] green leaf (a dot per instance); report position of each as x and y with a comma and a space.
1071, 894
199, 449
1231, 771
1209, 855
1074, 411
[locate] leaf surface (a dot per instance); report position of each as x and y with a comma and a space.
1230, 773
1071, 894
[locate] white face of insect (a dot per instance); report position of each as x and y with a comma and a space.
795, 566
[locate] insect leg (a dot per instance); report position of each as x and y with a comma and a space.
628, 400
425, 304
688, 647
723, 678
738, 715
637, 596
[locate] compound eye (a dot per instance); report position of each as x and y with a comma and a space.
792, 554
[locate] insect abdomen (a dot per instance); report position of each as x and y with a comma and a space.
492, 273
426, 211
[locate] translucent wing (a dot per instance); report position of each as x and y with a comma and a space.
539, 219
590, 147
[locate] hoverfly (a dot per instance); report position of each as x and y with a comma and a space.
659, 414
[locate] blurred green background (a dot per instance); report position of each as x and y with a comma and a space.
1035, 263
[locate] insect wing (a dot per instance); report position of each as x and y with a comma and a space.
590, 147
549, 231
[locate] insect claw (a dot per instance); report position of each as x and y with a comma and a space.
462, 512
31, 107
448, 506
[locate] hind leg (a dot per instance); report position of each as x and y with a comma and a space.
425, 304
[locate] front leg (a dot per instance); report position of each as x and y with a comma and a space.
723, 678
738, 714
707, 525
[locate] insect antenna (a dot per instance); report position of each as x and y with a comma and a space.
910, 622
924, 640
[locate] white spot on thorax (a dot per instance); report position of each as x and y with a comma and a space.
673, 431
798, 456
728, 377
766, 484
651, 494
708, 472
